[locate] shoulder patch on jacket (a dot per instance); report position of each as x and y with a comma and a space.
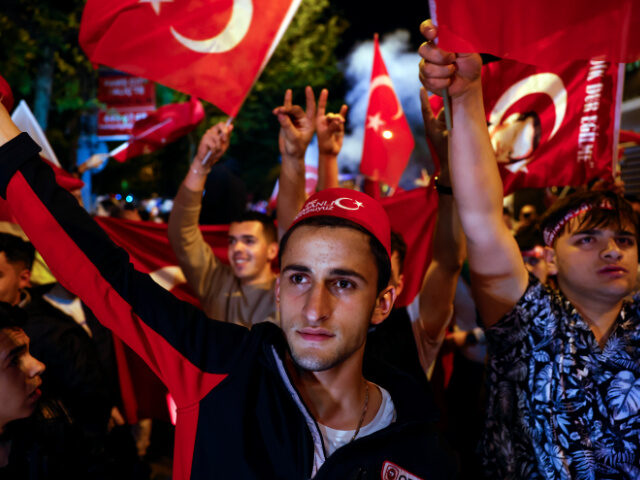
391, 471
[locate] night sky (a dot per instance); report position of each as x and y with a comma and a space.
367, 17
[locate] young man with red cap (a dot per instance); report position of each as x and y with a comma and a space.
272, 402
564, 365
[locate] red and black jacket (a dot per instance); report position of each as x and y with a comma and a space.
236, 418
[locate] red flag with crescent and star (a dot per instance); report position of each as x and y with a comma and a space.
544, 32
552, 126
213, 50
167, 124
388, 141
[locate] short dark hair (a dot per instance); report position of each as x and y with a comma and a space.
398, 245
11, 317
17, 250
383, 262
268, 226
529, 237
620, 214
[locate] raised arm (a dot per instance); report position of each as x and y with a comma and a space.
195, 256
159, 327
448, 245
499, 277
330, 130
297, 127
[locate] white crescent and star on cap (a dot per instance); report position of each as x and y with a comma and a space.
233, 33
355, 205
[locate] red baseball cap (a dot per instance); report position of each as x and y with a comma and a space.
351, 205
6, 97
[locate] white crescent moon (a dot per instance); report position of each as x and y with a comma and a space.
338, 202
229, 38
548, 83
384, 80
168, 277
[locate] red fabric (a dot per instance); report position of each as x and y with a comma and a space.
165, 125
629, 136
148, 246
151, 39
544, 32
6, 96
388, 141
412, 214
64, 178
577, 133
112, 310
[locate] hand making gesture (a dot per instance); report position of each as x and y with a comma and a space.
297, 126
329, 126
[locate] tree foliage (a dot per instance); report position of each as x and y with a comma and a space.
34, 33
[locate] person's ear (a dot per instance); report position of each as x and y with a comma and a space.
24, 278
384, 304
400, 285
550, 258
272, 251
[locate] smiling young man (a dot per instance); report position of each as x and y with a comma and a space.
243, 291
288, 403
563, 369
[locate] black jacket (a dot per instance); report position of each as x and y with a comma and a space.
236, 416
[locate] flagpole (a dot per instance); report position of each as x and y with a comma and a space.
447, 109
208, 155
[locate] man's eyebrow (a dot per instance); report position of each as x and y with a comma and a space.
296, 268
15, 351
596, 231
588, 231
343, 272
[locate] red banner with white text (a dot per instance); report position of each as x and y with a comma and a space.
552, 126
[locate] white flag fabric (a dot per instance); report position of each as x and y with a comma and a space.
24, 119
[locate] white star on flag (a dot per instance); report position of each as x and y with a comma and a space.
358, 204
375, 122
155, 4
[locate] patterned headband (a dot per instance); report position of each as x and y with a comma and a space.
551, 232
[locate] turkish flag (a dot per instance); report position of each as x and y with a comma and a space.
412, 214
165, 125
148, 246
388, 141
211, 49
544, 32
552, 126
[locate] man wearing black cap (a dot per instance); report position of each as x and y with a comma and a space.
265, 403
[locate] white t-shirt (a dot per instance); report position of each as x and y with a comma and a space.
334, 439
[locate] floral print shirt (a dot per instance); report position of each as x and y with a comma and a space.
559, 406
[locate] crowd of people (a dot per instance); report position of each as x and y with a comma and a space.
298, 365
